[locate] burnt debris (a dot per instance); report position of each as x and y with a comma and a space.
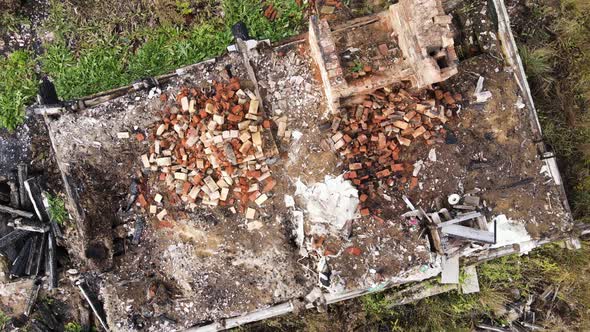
29, 238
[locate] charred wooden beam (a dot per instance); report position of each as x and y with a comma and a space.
51, 261
16, 212
23, 173
20, 262
34, 190
30, 225
12, 237
139, 225
33, 255
33, 297
93, 304
36, 269
14, 195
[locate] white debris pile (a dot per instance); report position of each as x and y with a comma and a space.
330, 203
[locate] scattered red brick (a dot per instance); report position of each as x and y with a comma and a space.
373, 130
355, 251
141, 201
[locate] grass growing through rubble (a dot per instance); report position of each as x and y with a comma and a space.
502, 281
4, 319
57, 209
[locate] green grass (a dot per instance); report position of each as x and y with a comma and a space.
289, 20
17, 87
556, 56
100, 45
110, 62
4, 319
72, 327
57, 209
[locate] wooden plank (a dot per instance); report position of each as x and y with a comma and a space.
469, 233
23, 172
15, 212
12, 237
34, 189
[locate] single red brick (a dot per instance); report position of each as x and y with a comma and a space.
234, 118
365, 212
397, 167
253, 196
383, 173
350, 175
355, 251
140, 137
363, 197
355, 166
253, 174
186, 187
438, 94
141, 201
270, 183
413, 182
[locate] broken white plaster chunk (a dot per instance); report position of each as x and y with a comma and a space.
153, 209
253, 109
432, 154
254, 225
166, 161
184, 103
282, 128
180, 176
250, 213
158, 198
145, 160
161, 129
123, 134
194, 192
261, 199
289, 201
218, 119
224, 193
257, 138
162, 214
214, 195
211, 183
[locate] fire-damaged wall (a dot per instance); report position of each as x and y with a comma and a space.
415, 37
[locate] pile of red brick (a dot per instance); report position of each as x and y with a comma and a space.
370, 132
210, 148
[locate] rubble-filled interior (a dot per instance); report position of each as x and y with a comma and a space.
216, 194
